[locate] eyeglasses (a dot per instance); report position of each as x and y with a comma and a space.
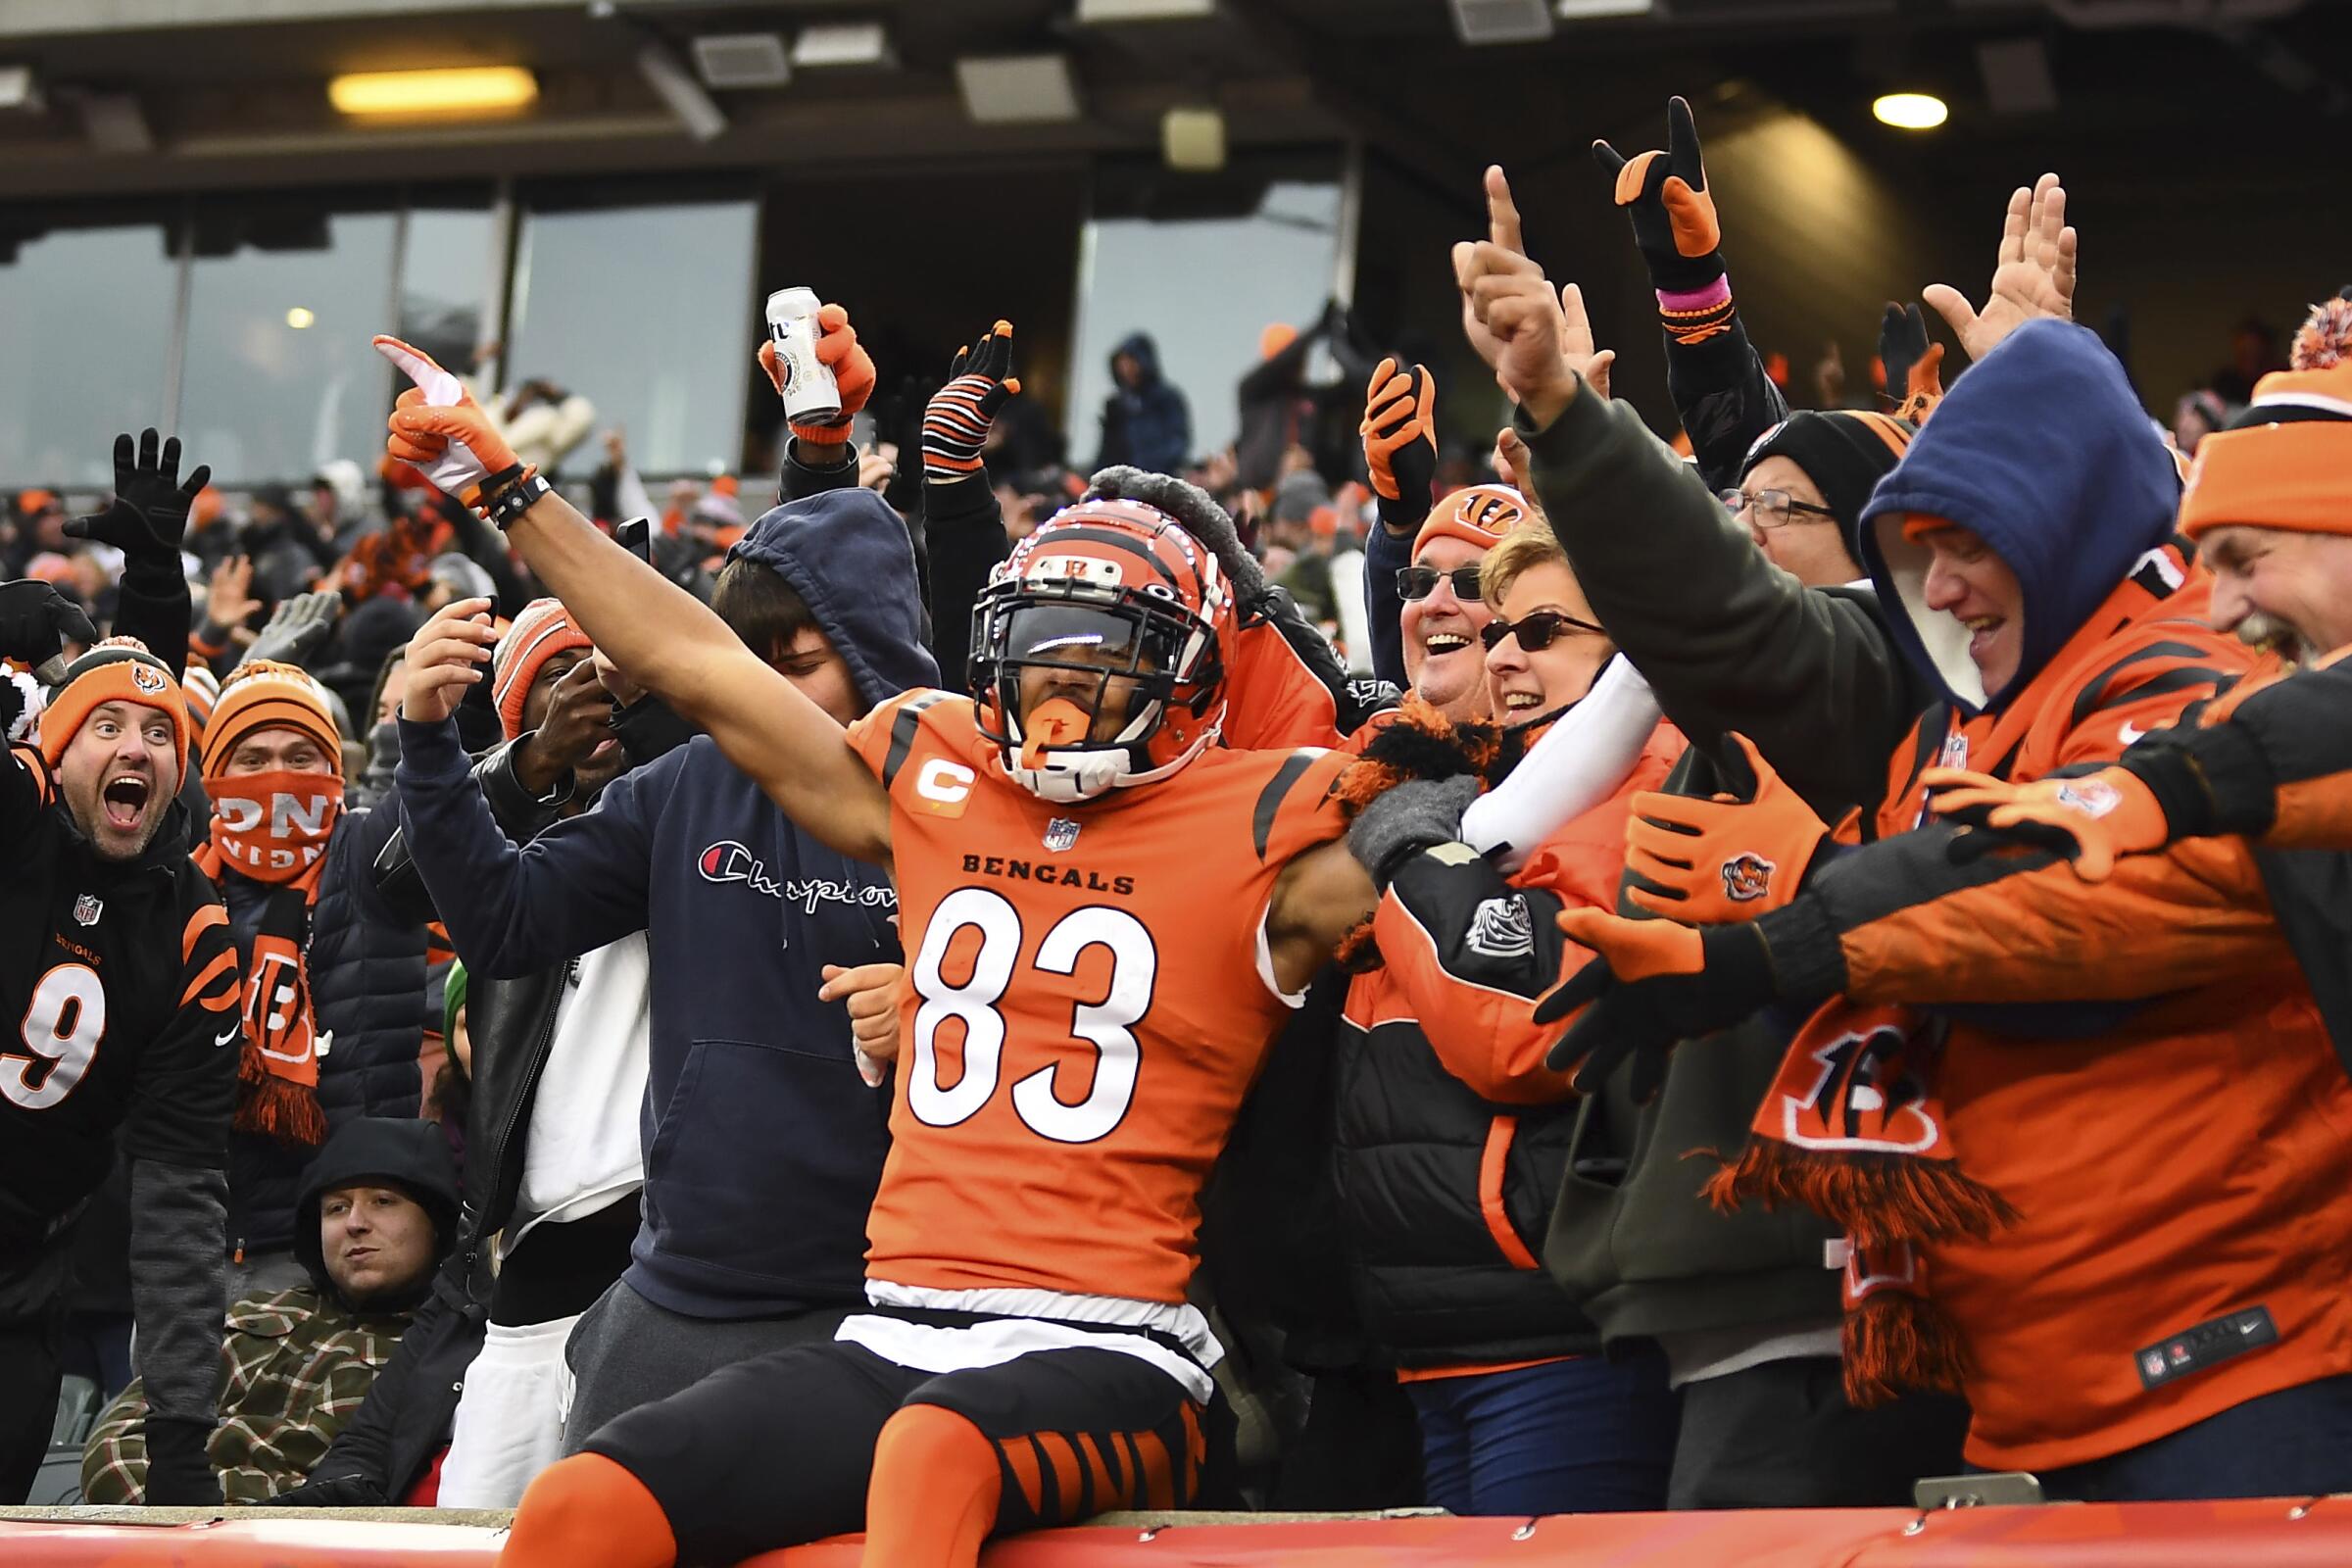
1773, 509
1419, 582
1538, 631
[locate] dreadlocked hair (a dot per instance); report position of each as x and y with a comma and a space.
1194, 511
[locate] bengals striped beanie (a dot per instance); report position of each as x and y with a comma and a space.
2286, 461
543, 630
264, 694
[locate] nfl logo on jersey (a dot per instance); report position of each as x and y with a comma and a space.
86, 909
1061, 833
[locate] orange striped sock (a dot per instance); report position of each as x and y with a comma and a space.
589, 1513
933, 1497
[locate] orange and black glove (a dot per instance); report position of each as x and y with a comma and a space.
438, 428
1650, 984
1401, 442
957, 419
2093, 819
1731, 857
838, 350
1665, 194
1914, 364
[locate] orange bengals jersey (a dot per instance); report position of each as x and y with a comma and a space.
1091, 999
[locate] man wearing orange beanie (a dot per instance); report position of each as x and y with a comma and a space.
120, 968
328, 960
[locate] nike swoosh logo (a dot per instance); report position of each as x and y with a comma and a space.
2130, 734
234, 1030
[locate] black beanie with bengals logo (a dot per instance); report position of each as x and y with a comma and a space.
1845, 452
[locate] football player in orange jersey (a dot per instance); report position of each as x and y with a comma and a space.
1100, 957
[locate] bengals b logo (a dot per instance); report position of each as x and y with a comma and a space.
1746, 877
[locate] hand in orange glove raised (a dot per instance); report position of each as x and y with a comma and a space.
838, 350
438, 428
2093, 819
1706, 861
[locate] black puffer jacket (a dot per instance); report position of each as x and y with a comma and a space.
1418, 1155
366, 969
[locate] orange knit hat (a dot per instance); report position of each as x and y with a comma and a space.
118, 669
2285, 462
261, 694
1480, 514
543, 630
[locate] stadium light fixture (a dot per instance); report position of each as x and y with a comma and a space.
470, 89
1192, 138
299, 316
1910, 111
1017, 89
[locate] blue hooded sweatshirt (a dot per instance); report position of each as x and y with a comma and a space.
762, 1145
2045, 453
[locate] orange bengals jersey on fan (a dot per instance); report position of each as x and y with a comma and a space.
1091, 999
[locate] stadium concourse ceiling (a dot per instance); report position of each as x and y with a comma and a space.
131, 96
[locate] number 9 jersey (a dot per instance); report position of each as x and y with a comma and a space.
1091, 995
120, 989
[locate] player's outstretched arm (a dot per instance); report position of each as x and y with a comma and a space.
665, 639
1321, 895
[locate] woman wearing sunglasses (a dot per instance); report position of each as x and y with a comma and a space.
1452, 1135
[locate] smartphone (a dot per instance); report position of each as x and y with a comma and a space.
636, 536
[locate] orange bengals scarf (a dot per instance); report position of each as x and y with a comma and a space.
277, 1071
1851, 1129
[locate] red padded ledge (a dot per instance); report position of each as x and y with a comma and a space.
2184, 1535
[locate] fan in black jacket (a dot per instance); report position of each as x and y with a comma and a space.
119, 965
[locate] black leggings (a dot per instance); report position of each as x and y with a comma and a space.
778, 1451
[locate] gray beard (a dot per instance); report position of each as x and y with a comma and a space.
2271, 635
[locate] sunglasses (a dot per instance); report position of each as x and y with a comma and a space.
1538, 631
1419, 582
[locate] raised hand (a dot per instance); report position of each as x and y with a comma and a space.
838, 350
437, 428
449, 653
1914, 364
1401, 442
578, 719
2033, 277
228, 603
149, 514
1504, 234
957, 419
1665, 194
302, 623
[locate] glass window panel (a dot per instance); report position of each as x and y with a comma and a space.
281, 377
1203, 288
444, 283
648, 312
85, 318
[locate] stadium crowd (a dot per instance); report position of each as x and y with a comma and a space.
1734, 977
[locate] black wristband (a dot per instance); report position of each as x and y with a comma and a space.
518, 498
2207, 781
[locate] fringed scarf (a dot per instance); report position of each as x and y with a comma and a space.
1851, 1129
277, 1070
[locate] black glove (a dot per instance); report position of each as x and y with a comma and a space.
36, 622
178, 1473
1404, 820
149, 516
1914, 363
1650, 984
1401, 443
955, 421
335, 1492
1665, 194
297, 629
